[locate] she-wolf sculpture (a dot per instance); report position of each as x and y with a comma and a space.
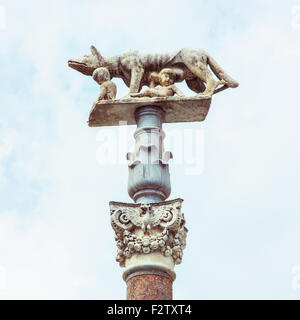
189, 64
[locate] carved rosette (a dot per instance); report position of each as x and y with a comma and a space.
149, 227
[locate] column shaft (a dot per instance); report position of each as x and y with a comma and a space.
149, 286
149, 178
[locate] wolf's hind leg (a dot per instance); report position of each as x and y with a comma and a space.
136, 77
201, 70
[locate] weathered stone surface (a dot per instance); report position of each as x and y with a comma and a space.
147, 228
177, 109
165, 78
108, 90
151, 235
141, 286
189, 64
150, 261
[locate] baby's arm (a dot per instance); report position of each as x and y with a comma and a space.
103, 91
153, 79
176, 90
111, 91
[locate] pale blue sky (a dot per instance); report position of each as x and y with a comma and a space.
242, 212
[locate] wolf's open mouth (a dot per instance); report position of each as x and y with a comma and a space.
80, 66
72, 63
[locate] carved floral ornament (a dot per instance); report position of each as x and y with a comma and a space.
149, 227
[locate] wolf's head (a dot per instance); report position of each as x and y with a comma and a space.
88, 63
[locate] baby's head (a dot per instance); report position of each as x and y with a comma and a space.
166, 77
101, 75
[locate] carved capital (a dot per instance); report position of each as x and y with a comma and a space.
149, 227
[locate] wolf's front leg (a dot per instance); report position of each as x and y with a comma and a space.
136, 77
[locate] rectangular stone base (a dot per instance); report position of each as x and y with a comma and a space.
177, 109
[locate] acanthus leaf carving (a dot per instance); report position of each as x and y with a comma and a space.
149, 227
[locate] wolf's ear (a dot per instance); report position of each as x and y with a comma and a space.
96, 53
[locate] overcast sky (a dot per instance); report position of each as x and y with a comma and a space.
242, 209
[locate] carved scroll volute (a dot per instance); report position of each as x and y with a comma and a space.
171, 216
120, 220
145, 228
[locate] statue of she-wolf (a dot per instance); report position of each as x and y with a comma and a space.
189, 64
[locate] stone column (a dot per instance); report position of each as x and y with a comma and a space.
149, 285
150, 239
151, 233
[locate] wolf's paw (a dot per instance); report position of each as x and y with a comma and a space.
220, 82
204, 94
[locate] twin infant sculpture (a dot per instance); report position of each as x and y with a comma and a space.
165, 78
137, 69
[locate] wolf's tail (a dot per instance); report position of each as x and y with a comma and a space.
221, 74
